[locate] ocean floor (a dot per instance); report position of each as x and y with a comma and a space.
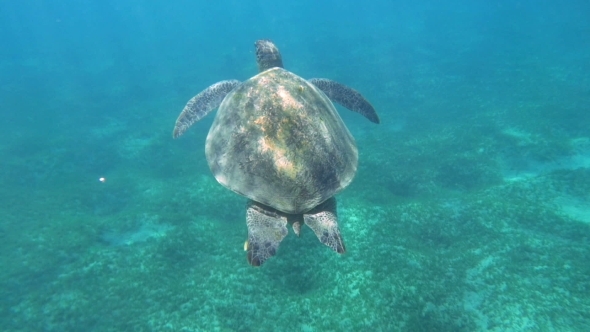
476, 238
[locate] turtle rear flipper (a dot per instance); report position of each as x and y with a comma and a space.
201, 104
323, 220
266, 230
347, 97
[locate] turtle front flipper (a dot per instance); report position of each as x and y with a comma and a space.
323, 220
347, 97
266, 230
201, 104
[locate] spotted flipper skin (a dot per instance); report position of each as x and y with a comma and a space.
266, 230
347, 97
323, 220
201, 104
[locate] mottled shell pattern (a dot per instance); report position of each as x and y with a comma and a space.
278, 140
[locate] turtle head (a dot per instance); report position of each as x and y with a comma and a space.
267, 55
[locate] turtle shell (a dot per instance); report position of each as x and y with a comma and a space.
278, 140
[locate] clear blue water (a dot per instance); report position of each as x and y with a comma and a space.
470, 210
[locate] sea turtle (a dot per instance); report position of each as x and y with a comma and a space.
278, 140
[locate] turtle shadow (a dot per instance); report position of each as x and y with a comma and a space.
297, 280
294, 270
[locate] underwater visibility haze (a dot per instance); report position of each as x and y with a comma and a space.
469, 210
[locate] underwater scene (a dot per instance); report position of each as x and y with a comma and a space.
469, 209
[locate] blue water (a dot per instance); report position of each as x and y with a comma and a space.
470, 210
